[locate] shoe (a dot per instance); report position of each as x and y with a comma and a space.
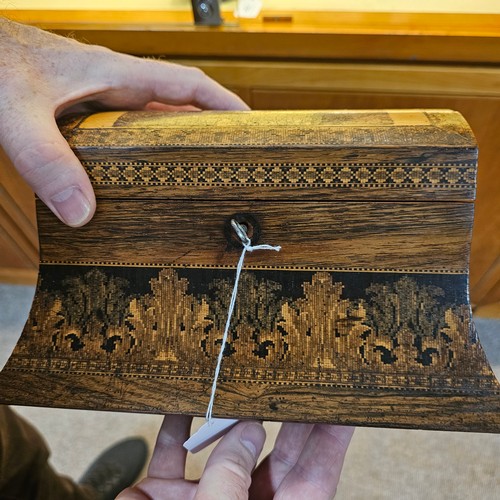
116, 468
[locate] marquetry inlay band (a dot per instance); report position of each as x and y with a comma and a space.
281, 174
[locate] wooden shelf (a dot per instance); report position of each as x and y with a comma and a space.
413, 37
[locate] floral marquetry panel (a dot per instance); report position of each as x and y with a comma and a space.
362, 318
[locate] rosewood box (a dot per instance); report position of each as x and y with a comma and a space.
362, 318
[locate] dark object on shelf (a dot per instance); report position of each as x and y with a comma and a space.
206, 12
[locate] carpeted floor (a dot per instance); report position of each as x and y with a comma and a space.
381, 463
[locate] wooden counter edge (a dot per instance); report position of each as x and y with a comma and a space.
415, 37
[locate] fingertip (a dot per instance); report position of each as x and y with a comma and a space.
234, 102
228, 473
188, 85
252, 437
73, 205
342, 433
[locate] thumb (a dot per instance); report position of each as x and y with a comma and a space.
44, 159
228, 473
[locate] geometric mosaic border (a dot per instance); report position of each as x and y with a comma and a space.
281, 174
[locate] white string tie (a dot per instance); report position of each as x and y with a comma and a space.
247, 247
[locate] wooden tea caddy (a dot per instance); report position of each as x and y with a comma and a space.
362, 318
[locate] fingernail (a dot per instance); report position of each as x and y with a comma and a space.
252, 438
72, 206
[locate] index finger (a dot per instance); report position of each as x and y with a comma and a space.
137, 81
317, 471
190, 85
169, 455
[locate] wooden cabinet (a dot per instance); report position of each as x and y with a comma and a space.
324, 61
18, 235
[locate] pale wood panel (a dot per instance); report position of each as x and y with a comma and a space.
491, 310
18, 276
488, 287
12, 255
18, 258
304, 77
17, 249
17, 199
18, 234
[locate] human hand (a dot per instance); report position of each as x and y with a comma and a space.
227, 474
305, 463
44, 76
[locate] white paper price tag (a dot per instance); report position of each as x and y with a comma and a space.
208, 433
248, 8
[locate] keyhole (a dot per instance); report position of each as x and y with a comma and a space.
249, 224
